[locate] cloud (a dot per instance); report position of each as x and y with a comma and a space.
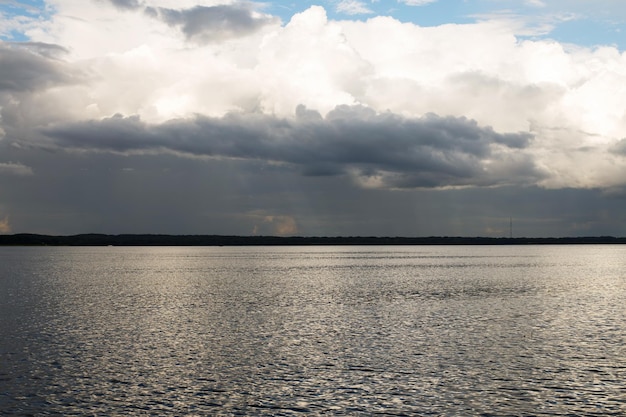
417, 2
31, 66
279, 225
126, 4
10, 168
430, 151
47, 50
381, 74
353, 7
528, 25
619, 147
5, 227
471, 121
213, 23
535, 3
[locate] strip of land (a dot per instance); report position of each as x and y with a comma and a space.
26, 239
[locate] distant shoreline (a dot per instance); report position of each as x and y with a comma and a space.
26, 239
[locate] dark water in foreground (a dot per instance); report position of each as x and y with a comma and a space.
453, 331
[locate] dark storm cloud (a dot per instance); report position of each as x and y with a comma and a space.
99, 192
431, 151
211, 23
30, 66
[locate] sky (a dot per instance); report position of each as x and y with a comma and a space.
304, 118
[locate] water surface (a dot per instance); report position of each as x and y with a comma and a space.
413, 330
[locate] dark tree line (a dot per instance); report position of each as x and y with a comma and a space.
215, 240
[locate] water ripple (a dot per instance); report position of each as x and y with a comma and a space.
443, 331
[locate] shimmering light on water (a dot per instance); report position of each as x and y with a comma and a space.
506, 330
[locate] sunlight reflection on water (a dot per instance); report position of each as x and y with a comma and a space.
507, 330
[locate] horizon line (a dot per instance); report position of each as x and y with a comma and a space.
148, 239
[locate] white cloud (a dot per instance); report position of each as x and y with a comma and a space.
417, 2
535, 3
353, 7
10, 168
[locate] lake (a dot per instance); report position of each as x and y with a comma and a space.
333, 330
